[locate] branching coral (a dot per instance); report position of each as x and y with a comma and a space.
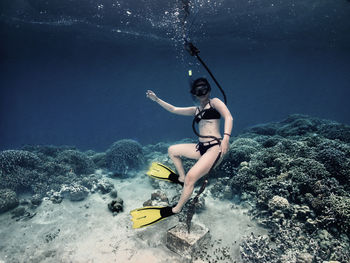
18, 169
10, 160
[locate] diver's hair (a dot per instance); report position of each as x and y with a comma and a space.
200, 82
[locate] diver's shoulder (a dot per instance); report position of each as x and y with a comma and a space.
216, 101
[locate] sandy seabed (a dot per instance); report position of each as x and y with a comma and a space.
86, 231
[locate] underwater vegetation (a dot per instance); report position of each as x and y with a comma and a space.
293, 177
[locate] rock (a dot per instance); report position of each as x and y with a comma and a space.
186, 244
116, 206
74, 192
8, 200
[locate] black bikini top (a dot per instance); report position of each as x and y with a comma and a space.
207, 114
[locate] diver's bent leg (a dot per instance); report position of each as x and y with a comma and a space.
176, 151
201, 168
178, 163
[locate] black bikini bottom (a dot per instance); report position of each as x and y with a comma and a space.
203, 147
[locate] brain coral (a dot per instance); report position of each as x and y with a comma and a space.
124, 155
8, 200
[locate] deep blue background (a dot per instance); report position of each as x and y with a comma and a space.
80, 85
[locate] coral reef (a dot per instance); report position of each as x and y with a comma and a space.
294, 176
18, 169
123, 156
44, 170
47, 152
254, 249
10, 160
79, 162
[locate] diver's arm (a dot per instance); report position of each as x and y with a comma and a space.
226, 114
189, 111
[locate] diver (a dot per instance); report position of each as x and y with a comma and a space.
211, 147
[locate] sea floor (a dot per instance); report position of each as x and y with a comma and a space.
86, 231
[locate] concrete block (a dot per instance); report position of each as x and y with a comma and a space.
186, 244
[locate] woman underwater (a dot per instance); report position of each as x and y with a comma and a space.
207, 151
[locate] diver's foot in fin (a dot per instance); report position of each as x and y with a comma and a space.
161, 172
174, 178
175, 211
150, 215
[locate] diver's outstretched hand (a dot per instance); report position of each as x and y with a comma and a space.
151, 95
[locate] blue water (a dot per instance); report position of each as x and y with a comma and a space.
76, 73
